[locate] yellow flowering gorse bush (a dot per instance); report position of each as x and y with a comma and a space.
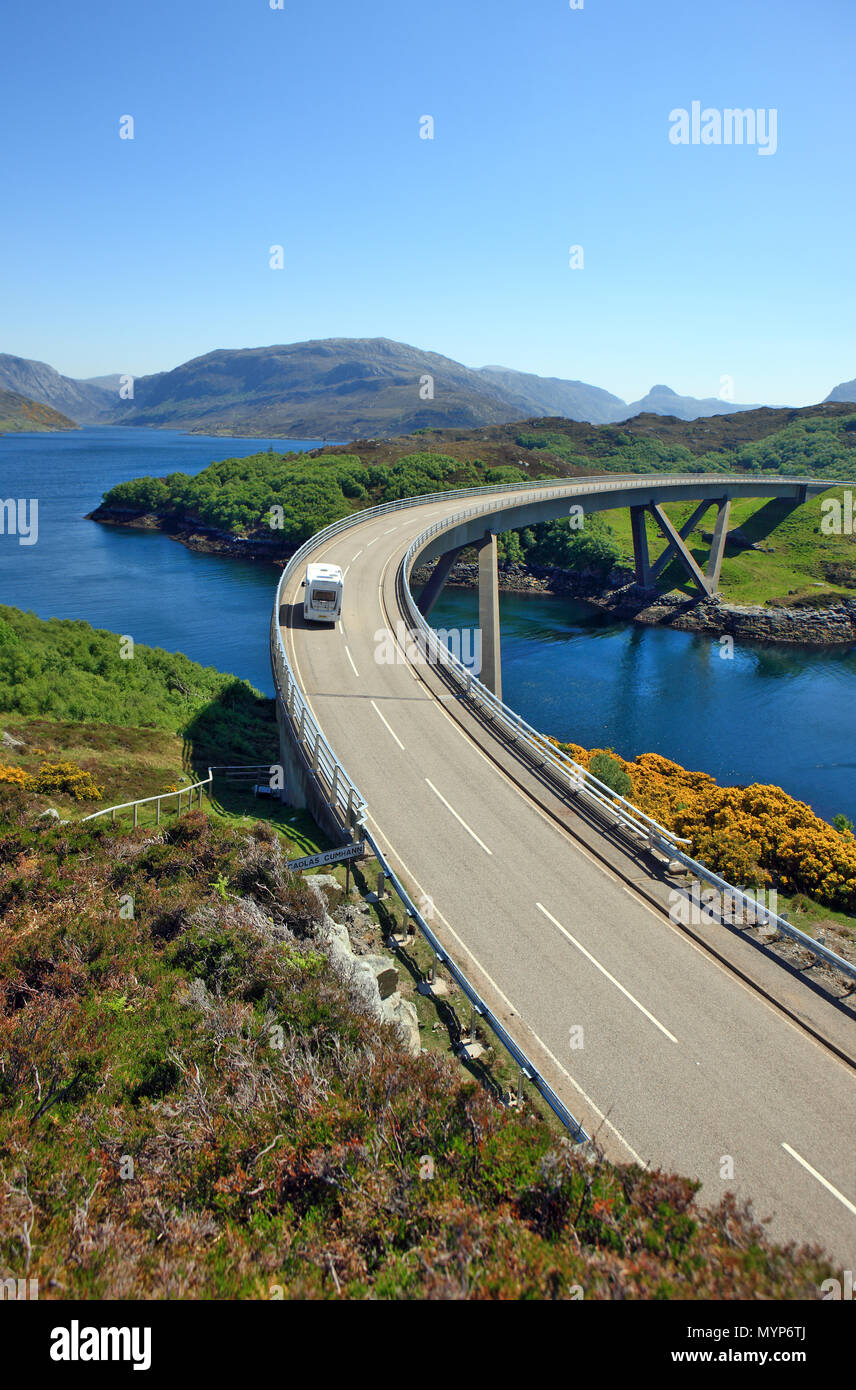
752, 836
53, 777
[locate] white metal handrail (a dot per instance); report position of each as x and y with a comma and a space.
146, 800
179, 792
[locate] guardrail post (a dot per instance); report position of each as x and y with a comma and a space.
316, 751
334, 787
157, 821
136, 808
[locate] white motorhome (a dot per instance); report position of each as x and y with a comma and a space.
322, 593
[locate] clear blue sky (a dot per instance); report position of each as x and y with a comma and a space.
301, 127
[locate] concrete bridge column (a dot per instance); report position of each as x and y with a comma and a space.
640, 547
434, 587
293, 768
491, 657
717, 549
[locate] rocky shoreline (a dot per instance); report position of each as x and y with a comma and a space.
622, 598
618, 594
196, 535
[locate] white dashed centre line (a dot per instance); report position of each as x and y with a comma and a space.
458, 818
820, 1178
383, 721
603, 970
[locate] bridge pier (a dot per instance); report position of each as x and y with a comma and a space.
717, 549
293, 767
434, 587
647, 573
640, 547
491, 656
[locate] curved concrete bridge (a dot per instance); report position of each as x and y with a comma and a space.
660, 1040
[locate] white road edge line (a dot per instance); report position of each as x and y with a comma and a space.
351, 659
603, 970
821, 1179
383, 721
458, 818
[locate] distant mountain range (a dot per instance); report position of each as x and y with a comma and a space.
340, 388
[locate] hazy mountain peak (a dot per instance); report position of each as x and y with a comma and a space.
845, 391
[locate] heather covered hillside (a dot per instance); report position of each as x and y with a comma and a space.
195, 1103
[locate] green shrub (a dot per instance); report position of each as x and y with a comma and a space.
609, 770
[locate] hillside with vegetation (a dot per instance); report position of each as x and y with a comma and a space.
195, 1105
86, 402
18, 414
269, 503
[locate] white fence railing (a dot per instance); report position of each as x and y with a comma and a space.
179, 793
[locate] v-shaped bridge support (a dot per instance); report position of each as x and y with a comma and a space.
706, 580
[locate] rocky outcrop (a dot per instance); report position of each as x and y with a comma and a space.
820, 626
195, 534
372, 976
619, 596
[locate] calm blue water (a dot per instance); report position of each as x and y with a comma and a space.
139, 583
773, 714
